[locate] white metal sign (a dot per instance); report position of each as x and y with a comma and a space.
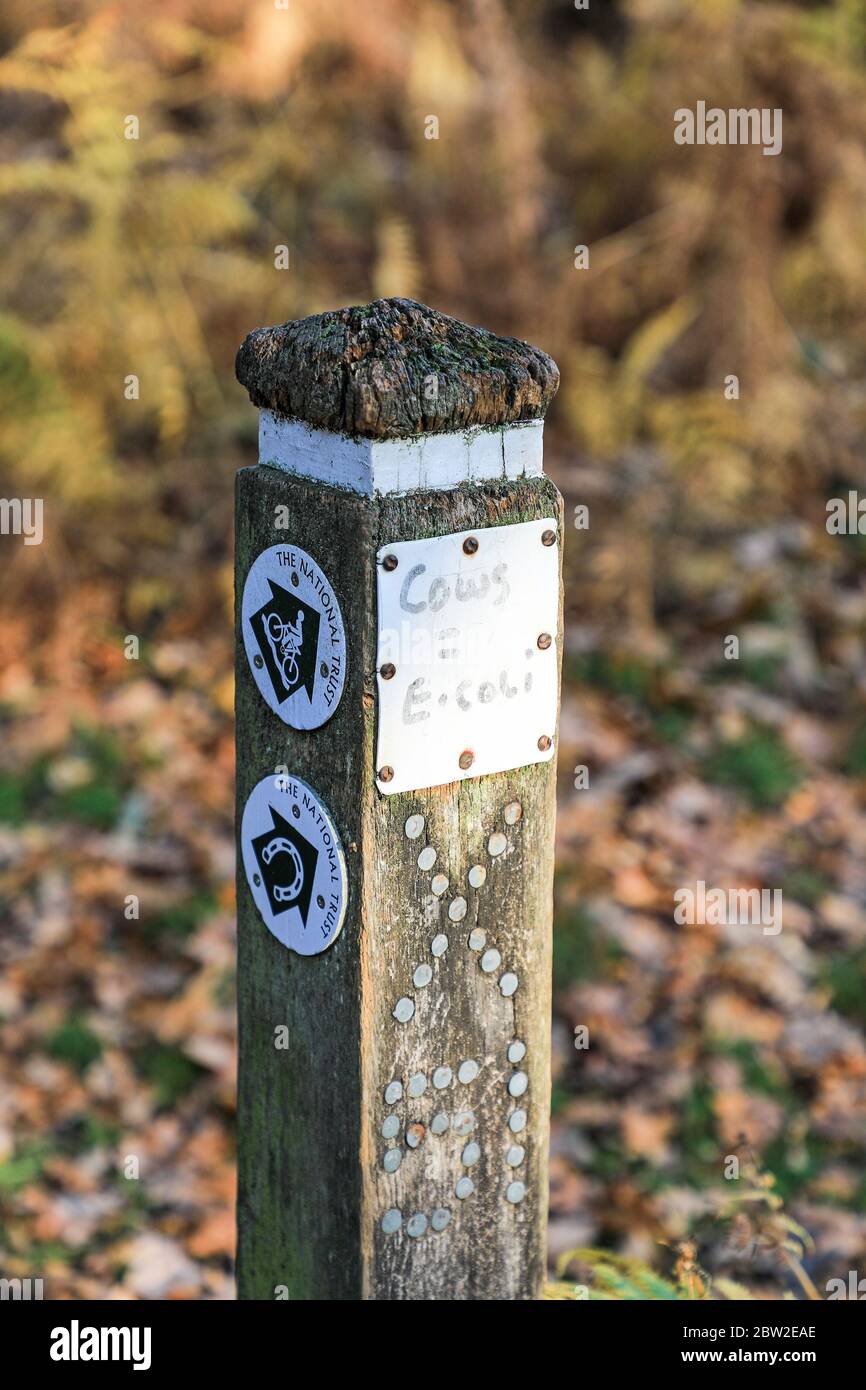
294, 637
294, 863
467, 654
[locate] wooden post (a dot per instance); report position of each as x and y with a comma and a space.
399, 643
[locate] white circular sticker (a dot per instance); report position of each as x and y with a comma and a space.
294, 637
294, 864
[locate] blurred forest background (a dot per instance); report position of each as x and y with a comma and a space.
304, 126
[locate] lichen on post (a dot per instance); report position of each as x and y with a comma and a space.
399, 644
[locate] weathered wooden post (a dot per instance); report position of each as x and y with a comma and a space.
399, 643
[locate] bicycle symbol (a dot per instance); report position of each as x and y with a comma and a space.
286, 641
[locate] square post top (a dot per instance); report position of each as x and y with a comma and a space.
394, 369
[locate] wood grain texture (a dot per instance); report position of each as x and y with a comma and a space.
312, 1187
394, 368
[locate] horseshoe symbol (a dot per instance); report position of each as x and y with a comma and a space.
285, 892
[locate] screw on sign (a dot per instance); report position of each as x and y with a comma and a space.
402, 661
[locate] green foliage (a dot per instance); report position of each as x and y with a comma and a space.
764, 669
855, 757
24, 1167
753, 1202
85, 782
617, 673
758, 765
806, 884
168, 1070
671, 725
759, 1072
12, 799
621, 1278
73, 1042
182, 919
845, 977
576, 948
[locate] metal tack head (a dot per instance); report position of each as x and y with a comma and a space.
518, 1084
392, 1160
515, 1156
457, 909
517, 1121
440, 1218
423, 975
414, 827
393, 1092
464, 1188
439, 884
470, 545
544, 743
477, 939
417, 1085
467, 1071
390, 1127
388, 671
392, 1221
548, 538
442, 1077
466, 759
390, 562
386, 774
544, 641
516, 1051
427, 858
470, 1154
415, 1135
403, 1010
416, 1225
515, 1192
439, 1123
477, 875
463, 1123
439, 944
490, 961
508, 984
512, 813
497, 844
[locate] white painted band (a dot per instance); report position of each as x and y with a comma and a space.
423, 461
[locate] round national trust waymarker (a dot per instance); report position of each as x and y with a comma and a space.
294, 864
294, 636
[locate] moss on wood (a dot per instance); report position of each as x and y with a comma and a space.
394, 368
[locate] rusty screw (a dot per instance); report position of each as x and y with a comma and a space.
544, 641
544, 742
323, 669
386, 774
388, 671
470, 545
389, 562
548, 538
466, 759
